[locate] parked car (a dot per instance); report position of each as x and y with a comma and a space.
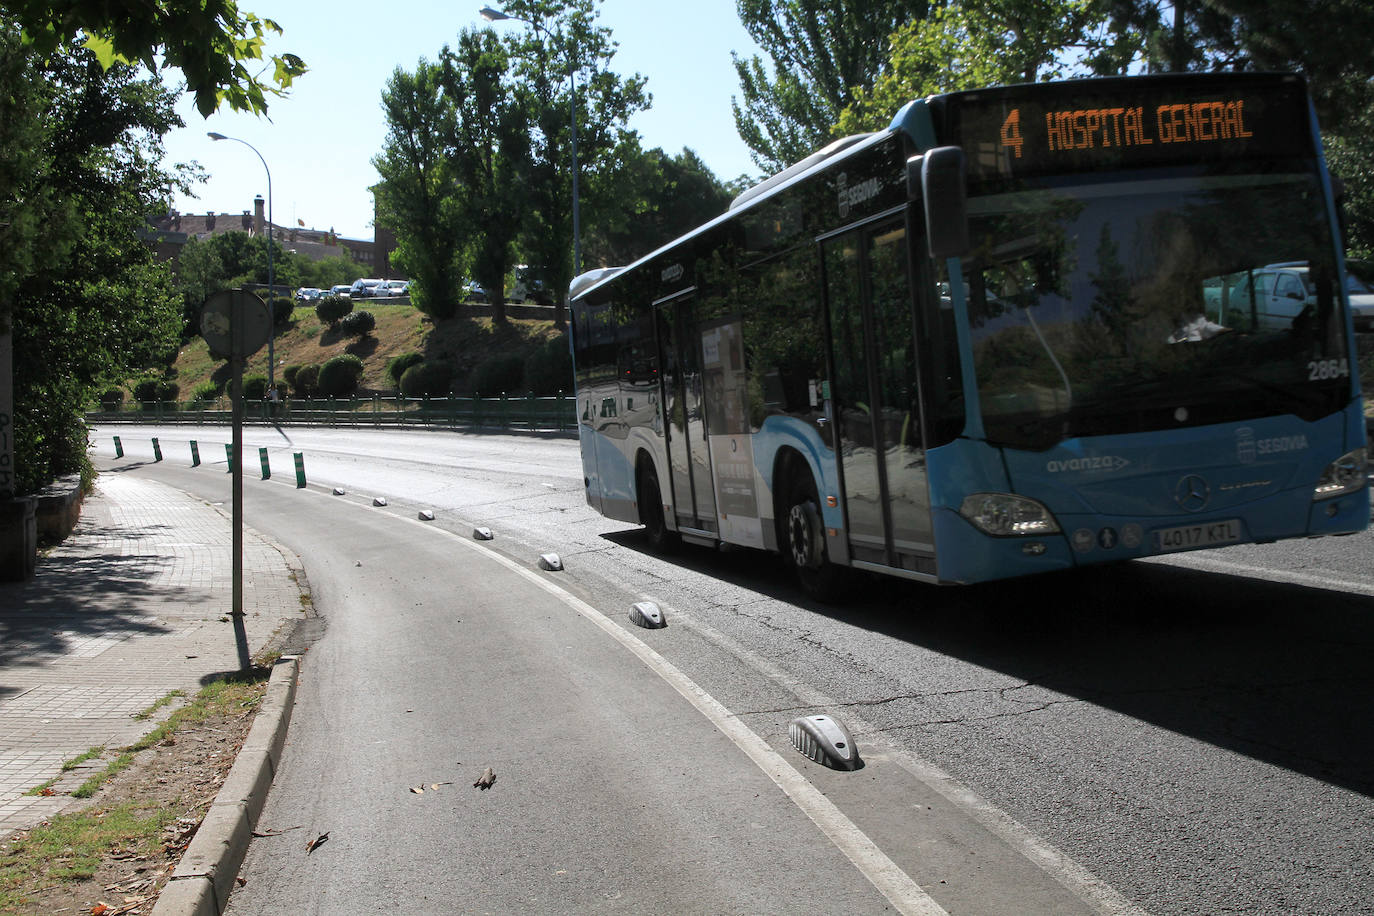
394, 288
308, 294
364, 288
343, 289
474, 292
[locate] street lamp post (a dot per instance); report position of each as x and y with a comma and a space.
271, 296
493, 15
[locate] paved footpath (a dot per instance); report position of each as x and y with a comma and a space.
133, 605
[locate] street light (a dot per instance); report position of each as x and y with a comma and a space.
491, 15
271, 307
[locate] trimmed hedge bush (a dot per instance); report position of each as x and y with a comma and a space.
255, 388
163, 391
549, 369
339, 376
305, 381
434, 380
500, 374
332, 309
358, 324
112, 399
206, 392
397, 365
282, 308
288, 375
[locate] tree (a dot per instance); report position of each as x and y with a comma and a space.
820, 52
661, 197
971, 44
212, 44
566, 40
1329, 41
418, 196
99, 306
491, 155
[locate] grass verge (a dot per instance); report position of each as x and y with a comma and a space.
41, 866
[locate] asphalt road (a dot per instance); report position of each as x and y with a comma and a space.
1176, 737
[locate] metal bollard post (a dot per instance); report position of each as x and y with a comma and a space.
262, 457
157, 450
195, 454
300, 470
119, 448
229, 456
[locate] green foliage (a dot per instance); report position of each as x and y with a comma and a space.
206, 392
397, 365
288, 374
549, 369
504, 374
427, 380
217, 48
305, 381
332, 309
112, 399
282, 309
339, 376
149, 391
358, 324
417, 197
254, 387
820, 52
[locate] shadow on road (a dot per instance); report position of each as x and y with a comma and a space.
1277, 672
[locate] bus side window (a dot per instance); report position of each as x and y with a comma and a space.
946, 401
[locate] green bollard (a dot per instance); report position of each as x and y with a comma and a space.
300, 470
262, 457
229, 456
157, 450
119, 448
195, 454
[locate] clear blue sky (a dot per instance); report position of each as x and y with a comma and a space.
320, 140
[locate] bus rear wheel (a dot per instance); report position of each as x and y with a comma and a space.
804, 543
650, 497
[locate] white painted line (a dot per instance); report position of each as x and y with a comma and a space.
1329, 583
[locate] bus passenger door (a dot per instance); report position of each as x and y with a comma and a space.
875, 394
684, 415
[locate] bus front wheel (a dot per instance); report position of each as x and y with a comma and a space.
804, 545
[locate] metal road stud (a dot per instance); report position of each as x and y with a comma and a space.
300, 470
338, 491
426, 515
482, 534
825, 740
379, 500
550, 561
195, 454
266, 468
647, 614
119, 448
157, 450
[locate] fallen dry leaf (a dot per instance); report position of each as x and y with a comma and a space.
317, 843
485, 781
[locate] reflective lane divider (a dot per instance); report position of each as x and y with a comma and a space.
157, 450
195, 454
229, 456
262, 457
119, 448
300, 470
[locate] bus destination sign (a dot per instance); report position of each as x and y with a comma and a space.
1015, 134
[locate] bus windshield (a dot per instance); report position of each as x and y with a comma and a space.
1153, 302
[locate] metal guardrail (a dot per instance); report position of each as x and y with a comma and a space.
527, 412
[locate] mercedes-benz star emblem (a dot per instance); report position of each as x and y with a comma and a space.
1192, 493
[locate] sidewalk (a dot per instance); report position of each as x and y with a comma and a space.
132, 605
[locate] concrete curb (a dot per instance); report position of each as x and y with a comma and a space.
204, 878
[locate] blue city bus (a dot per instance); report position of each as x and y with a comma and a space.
1022, 329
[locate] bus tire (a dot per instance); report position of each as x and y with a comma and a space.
804, 541
650, 497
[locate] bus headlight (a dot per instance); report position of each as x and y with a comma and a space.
1344, 475
1004, 515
